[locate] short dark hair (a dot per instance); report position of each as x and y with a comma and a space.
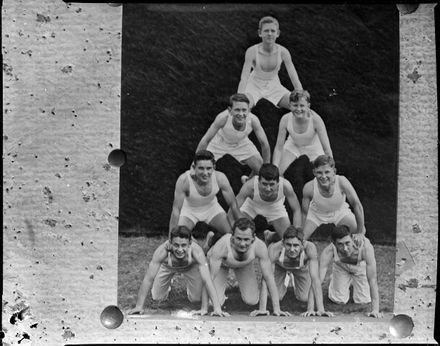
238, 97
269, 171
204, 155
296, 95
181, 232
293, 232
339, 232
200, 230
323, 160
243, 224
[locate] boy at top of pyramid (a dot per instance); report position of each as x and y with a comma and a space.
259, 76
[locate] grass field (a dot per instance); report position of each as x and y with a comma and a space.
135, 254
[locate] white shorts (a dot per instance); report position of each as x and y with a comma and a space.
343, 275
271, 90
270, 212
319, 218
312, 151
241, 151
204, 213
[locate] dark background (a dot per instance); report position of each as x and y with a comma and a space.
180, 64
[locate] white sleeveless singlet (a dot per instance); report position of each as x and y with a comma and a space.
331, 204
232, 136
258, 73
262, 203
195, 200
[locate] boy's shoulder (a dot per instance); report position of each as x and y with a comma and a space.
282, 48
252, 48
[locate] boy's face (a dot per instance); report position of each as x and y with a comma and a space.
239, 112
325, 175
269, 32
203, 170
267, 188
345, 245
242, 239
299, 108
293, 247
180, 247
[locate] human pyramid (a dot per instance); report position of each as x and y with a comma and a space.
257, 224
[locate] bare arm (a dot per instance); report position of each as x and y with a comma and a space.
282, 131
266, 269
324, 261
262, 303
247, 190
291, 70
262, 138
179, 196
354, 201
307, 197
158, 256
317, 274
218, 123
370, 260
246, 71
199, 256
215, 257
228, 194
294, 203
316, 281
262, 306
322, 134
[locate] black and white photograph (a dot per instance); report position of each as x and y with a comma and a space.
292, 112
219, 173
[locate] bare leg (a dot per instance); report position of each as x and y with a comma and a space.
350, 222
270, 237
280, 225
286, 159
184, 221
254, 163
309, 228
220, 223
284, 102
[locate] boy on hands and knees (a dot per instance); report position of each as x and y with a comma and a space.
229, 132
352, 265
259, 76
294, 256
238, 251
195, 196
324, 200
265, 195
177, 255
